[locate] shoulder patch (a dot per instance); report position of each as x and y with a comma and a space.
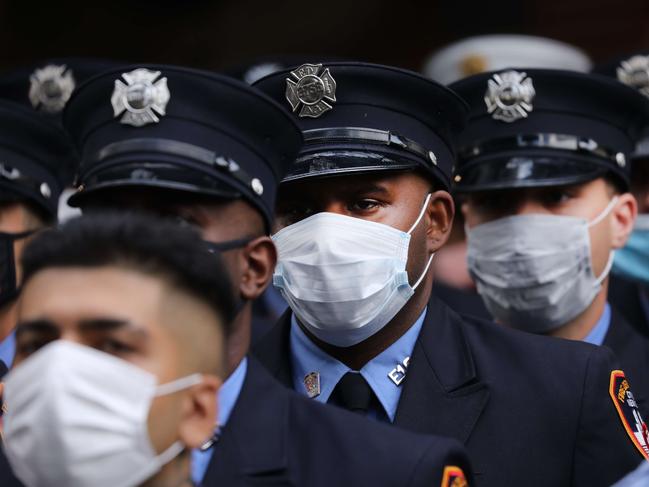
627, 409
453, 477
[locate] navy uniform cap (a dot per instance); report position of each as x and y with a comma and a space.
538, 127
633, 71
179, 129
34, 157
46, 86
359, 117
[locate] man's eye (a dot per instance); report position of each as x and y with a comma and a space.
557, 197
114, 347
365, 205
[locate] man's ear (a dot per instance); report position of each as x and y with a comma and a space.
200, 412
623, 217
258, 263
439, 219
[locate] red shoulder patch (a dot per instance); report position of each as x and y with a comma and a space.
453, 477
627, 409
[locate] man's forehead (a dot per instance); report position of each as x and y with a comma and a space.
86, 290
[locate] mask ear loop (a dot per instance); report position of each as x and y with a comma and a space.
604, 213
611, 257
421, 214
430, 259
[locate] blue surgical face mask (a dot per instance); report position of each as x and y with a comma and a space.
632, 262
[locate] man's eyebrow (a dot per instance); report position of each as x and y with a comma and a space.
36, 325
107, 324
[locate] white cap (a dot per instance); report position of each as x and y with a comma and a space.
498, 51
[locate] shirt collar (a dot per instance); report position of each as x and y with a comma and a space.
227, 396
8, 349
230, 390
383, 373
598, 333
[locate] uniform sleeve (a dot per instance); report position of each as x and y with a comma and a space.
445, 463
606, 448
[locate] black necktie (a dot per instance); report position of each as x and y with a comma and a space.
354, 393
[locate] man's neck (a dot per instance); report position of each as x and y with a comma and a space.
582, 325
356, 356
7, 320
176, 473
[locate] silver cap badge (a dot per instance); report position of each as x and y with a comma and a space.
142, 100
51, 87
634, 72
509, 96
310, 89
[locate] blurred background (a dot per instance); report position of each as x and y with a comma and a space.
222, 34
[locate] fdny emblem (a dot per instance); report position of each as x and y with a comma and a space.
453, 477
634, 72
312, 384
50, 88
627, 409
142, 99
310, 90
509, 96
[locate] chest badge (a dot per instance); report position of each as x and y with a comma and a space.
398, 374
509, 96
311, 88
142, 99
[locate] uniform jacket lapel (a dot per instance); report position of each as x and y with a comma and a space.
274, 350
442, 393
253, 448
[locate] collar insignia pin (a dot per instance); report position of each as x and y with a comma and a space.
397, 374
312, 384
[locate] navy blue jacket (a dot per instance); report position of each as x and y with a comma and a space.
7, 478
275, 437
624, 295
531, 410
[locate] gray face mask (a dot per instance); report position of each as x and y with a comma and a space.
534, 272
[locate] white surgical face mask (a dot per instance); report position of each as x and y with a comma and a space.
535, 272
344, 278
77, 417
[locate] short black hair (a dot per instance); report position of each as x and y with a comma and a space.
147, 244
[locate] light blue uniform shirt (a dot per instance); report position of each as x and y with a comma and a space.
228, 395
598, 333
8, 349
307, 357
638, 478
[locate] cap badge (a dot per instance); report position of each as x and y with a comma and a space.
142, 100
509, 96
51, 87
634, 72
312, 384
310, 89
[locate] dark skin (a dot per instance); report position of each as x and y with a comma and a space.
250, 267
391, 198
